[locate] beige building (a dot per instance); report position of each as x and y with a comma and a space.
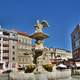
58, 54
24, 46
63, 54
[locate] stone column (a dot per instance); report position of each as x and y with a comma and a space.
1, 49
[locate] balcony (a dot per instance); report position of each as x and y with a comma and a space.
5, 57
6, 60
4, 36
5, 51
14, 37
5, 45
5, 48
4, 42
6, 54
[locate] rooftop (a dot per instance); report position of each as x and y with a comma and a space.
62, 49
23, 33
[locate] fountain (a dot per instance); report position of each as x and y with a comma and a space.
40, 53
38, 65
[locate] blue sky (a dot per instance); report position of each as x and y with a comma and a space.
62, 16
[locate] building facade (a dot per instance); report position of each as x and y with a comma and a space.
14, 48
58, 54
76, 42
24, 46
63, 54
8, 40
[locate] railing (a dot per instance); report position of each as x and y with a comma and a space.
6, 54
4, 42
4, 36
5, 48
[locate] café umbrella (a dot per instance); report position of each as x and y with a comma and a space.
62, 66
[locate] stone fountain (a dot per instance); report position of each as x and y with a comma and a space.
41, 58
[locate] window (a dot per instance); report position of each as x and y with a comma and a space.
77, 43
6, 33
5, 45
14, 34
5, 57
13, 47
5, 51
21, 40
1, 65
5, 39
13, 58
79, 34
19, 59
23, 59
6, 64
25, 41
13, 65
76, 35
13, 53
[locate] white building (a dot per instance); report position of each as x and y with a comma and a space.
8, 40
